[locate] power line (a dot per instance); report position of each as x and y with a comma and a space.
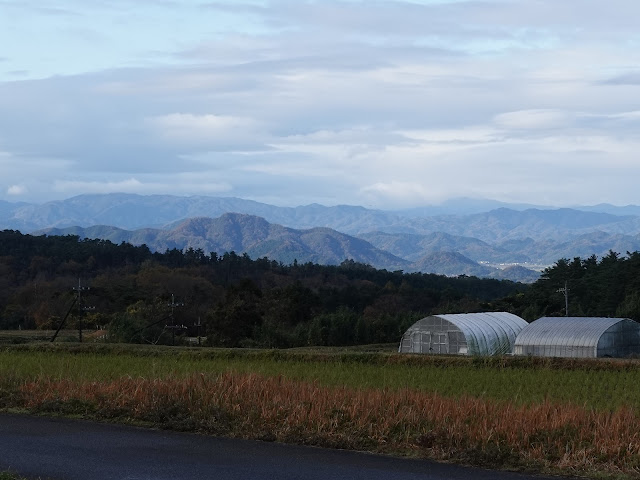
82, 308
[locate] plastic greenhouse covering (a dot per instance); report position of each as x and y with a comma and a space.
488, 333
579, 337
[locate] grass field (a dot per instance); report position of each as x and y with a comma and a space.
10, 476
13, 337
551, 415
28, 336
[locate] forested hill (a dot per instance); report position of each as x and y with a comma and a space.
238, 301
598, 287
250, 234
245, 302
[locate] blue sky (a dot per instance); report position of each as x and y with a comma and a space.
387, 104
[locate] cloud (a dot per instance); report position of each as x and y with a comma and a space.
624, 116
632, 78
17, 73
534, 119
397, 193
335, 101
129, 185
207, 132
14, 190
181, 185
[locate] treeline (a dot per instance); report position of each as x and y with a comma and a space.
606, 287
231, 299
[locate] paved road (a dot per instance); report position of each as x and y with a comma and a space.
72, 449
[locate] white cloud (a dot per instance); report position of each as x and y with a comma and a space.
395, 193
472, 135
534, 119
73, 186
338, 101
16, 190
180, 184
170, 82
187, 124
202, 132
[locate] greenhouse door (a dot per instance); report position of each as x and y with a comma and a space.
429, 342
439, 343
420, 342
425, 342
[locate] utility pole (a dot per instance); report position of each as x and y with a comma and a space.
77, 299
173, 327
53, 339
198, 325
82, 308
565, 290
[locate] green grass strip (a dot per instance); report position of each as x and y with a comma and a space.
592, 384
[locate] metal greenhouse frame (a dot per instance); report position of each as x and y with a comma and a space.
579, 337
488, 333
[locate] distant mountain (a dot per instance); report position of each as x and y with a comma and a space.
8, 208
515, 273
129, 211
465, 206
470, 206
612, 209
503, 224
454, 264
248, 234
594, 243
451, 263
258, 238
500, 236
413, 247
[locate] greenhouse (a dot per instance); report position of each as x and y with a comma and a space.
490, 333
579, 337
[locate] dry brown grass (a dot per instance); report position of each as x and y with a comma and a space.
554, 437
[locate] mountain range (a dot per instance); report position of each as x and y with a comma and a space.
256, 237
475, 243
249, 234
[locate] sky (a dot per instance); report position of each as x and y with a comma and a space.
386, 104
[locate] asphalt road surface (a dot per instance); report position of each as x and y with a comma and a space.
56, 448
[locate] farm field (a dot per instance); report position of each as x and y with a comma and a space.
14, 337
28, 336
546, 415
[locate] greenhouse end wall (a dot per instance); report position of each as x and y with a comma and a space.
434, 335
620, 340
489, 333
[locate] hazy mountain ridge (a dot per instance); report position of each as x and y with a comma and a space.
454, 264
451, 263
129, 211
612, 209
501, 236
594, 243
258, 238
248, 234
464, 206
504, 224
414, 246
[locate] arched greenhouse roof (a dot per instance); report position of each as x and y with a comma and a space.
573, 336
486, 333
